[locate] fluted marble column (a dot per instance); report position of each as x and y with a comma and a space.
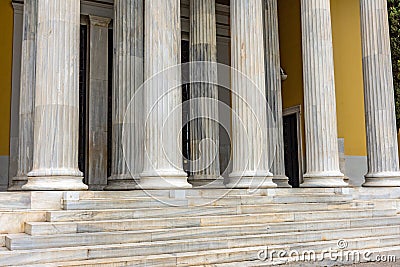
55, 157
204, 125
383, 160
249, 121
274, 94
128, 77
163, 166
319, 96
26, 95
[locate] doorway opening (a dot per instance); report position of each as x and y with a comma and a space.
292, 137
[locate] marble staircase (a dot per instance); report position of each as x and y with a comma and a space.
201, 227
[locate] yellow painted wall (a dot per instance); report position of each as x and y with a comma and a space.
348, 68
6, 22
348, 75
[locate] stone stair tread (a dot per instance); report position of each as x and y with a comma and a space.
228, 254
305, 236
192, 221
94, 214
57, 227
377, 219
96, 203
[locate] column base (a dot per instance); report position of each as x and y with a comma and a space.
18, 182
281, 181
324, 180
251, 180
164, 180
207, 182
97, 187
382, 179
121, 183
55, 183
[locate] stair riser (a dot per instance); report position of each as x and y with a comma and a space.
147, 224
35, 242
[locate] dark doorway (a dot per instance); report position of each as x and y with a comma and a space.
290, 136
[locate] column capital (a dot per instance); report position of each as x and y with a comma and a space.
99, 21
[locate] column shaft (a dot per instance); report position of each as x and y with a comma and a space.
26, 95
274, 94
249, 123
319, 96
383, 160
204, 127
163, 162
128, 77
56, 126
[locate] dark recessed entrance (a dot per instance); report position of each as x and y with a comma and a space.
290, 136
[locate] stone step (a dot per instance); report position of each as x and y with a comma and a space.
221, 258
140, 202
211, 192
115, 214
179, 253
132, 203
47, 228
24, 241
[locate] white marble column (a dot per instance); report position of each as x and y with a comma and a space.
274, 94
128, 77
383, 159
26, 95
249, 105
163, 160
98, 103
55, 156
319, 97
204, 127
